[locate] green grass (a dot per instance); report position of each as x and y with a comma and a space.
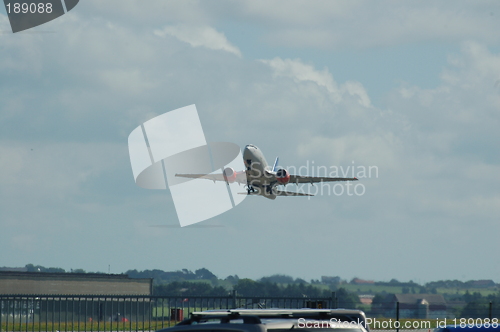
374, 289
454, 291
371, 289
377, 323
159, 312
88, 326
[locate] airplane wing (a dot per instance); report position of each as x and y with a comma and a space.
290, 193
240, 177
279, 193
213, 177
315, 179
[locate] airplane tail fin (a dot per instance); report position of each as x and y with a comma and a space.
275, 167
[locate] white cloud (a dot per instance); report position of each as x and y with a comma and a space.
33, 169
130, 81
450, 154
476, 67
465, 105
381, 150
356, 89
301, 72
365, 24
98, 78
154, 14
196, 36
320, 24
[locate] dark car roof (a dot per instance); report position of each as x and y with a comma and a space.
267, 319
339, 314
222, 322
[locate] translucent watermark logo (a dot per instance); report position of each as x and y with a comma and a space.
26, 14
174, 143
404, 324
332, 180
364, 324
325, 188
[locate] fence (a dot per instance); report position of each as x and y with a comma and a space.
421, 309
126, 313
150, 313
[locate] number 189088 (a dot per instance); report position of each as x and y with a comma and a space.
32, 8
478, 322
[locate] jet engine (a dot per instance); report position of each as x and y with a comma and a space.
229, 175
283, 176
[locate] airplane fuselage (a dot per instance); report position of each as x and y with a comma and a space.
255, 162
259, 173
261, 178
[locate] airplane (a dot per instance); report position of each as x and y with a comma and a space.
260, 179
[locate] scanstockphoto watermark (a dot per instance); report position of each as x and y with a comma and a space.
392, 324
353, 170
26, 14
338, 179
174, 143
348, 188
337, 189
332, 323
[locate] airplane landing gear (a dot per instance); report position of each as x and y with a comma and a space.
250, 189
269, 190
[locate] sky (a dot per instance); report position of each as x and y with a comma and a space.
410, 89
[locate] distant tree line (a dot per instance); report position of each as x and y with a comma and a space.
203, 282
189, 288
39, 268
263, 287
250, 288
476, 303
458, 284
161, 277
434, 285
395, 282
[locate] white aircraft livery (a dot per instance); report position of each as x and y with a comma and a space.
260, 179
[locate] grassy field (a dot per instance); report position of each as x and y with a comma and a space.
371, 289
482, 291
374, 289
88, 326
376, 324
367, 288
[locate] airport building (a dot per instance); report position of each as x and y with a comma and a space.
424, 306
43, 297
30, 283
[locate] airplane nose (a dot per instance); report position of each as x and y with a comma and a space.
248, 151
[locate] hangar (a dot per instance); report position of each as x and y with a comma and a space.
424, 306
30, 283
45, 297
